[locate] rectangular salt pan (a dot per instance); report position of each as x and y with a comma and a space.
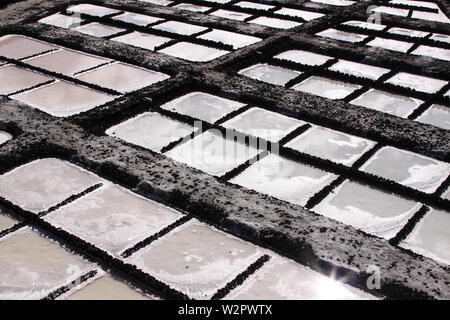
239, 16
63, 99
62, 20
407, 168
202, 106
408, 32
304, 57
4, 137
342, 35
179, 28
6, 221
275, 23
18, 47
284, 179
142, 40
137, 19
112, 218
270, 74
253, 5
392, 11
150, 130
419, 83
193, 52
440, 37
306, 15
335, 2
196, 259
327, 88
364, 25
212, 153
436, 115
391, 44
92, 10
236, 40
436, 53
358, 69
98, 30
374, 211
191, 7
14, 79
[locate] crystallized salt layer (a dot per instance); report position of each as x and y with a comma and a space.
408, 32
191, 7
18, 47
150, 130
304, 57
62, 99
6, 221
284, 179
407, 168
142, 40
391, 10
92, 10
419, 83
446, 194
306, 15
212, 153
358, 69
270, 74
41, 184
136, 18
332, 145
431, 236
432, 16
335, 2
193, 52
253, 5
66, 62
196, 259
239, 16
342, 35
32, 266
374, 211
112, 218
364, 25
440, 37
4, 136
98, 30
327, 88
62, 21
396, 105
275, 23
264, 124
158, 2
234, 39
122, 77
179, 27
436, 53
391, 44
283, 279
203, 106
436, 115
15, 79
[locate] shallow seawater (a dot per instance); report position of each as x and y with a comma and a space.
407, 168
18, 47
239, 16
358, 69
437, 53
284, 179
45, 182
179, 28
440, 37
374, 211
383, 101
304, 57
391, 44
436, 115
297, 283
202, 106
212, 153
136, 18
364, 25
32, 266
193, 52
91, 9
142, 40
62, 99
62, 21
113, 218
342, 35
431, 236
196, 259
270, 74
408, 32
275, 23
419, 83
264, 124
234, 39
253, 5
332, 145
122, 77
98, 30
307, 15
14, 79
191, 7
327, 88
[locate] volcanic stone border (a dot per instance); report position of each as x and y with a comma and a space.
313, 240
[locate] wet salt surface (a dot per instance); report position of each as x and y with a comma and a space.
307, 15
179, 28
397, 105
275, 23
234, 39
358, 69
253, 5
297, 283
239, 16
439, 17
436, 115
106, 287
62, 99
419, 83
142, 40
41, 184
150, 130
98, 30
332, 145
92, 10
136, 18
423, 4
364, 25
193, 52
158, 2
391, 44
304, 57
327, 88
112, 218
335, 2
431, 236
32, 266
14, 79
374, 211
408, 32
270, 74
202, 106
122, 77
437, 53
407, 168
264, 124
191, 7
6, 221
18, 47
440, 37
210, 152
341, 35
66, 62
196, 259
390, 10
61, 20
284, 179
4, 136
